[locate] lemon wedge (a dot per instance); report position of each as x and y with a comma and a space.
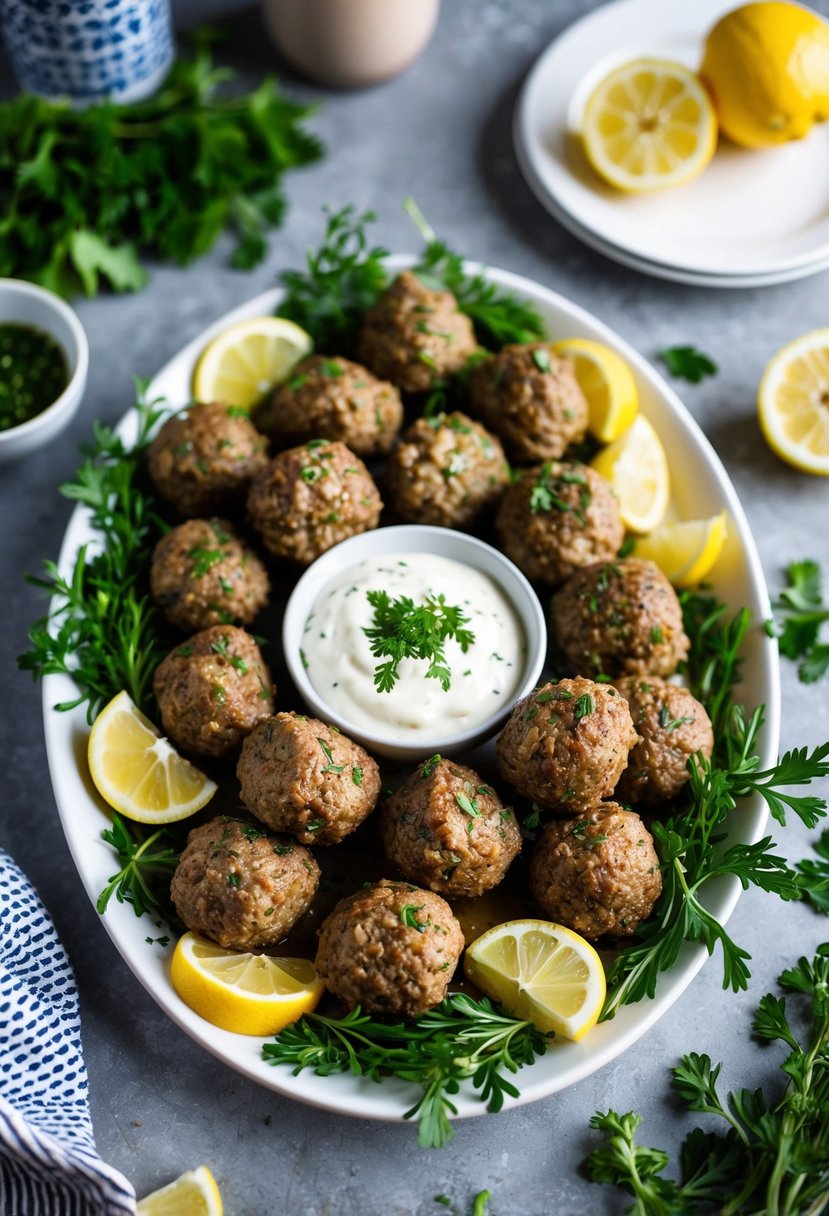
608, 384
138, 772
542, 972
685, 552
649, 125
245, 361
636, 466
246, 993
793, 403
193, 1194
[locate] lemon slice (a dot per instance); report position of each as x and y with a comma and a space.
246, 360
246, 993
542, 972
138, 772
793, 403
648, 125
636, 466
686, 552
193, 1194
608, 384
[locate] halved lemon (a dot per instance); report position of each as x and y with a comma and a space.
793, 403
245, 361
246, 993
608, 384
686, 552
636, 466
139, 772
542, 972
193, 1194
649, 125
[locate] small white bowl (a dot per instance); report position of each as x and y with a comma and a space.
25, 304
392, 542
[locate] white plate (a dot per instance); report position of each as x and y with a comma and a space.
701, 487
749, 214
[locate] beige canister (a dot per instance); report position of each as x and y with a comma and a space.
349, 43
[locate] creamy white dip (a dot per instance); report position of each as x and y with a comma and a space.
338, 659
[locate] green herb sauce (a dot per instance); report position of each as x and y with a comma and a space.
33, 373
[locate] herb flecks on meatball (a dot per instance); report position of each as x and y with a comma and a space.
620, 618
557, 518
391, 948
566, 744
531, 399
333, 398
203, 574
212, 690
447, 830
312, 497
673, 726
203, 459
414, 336
597, 874
299, 775
241, 887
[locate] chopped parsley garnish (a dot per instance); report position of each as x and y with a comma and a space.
401, 629
688, 363
584, 706
203, 560
469, 806
665, 720
356, 774
408, 917
550, 492
541, 359
233, 880
429, 766
330, 767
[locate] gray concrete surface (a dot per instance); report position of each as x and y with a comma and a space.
441, 133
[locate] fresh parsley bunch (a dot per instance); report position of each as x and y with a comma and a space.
84, 192
801, 612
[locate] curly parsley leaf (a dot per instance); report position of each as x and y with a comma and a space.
688, 363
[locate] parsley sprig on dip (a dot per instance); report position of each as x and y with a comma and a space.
401, 629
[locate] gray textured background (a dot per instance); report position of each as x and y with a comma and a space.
441, 133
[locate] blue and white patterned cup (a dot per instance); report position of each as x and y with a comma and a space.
88, 50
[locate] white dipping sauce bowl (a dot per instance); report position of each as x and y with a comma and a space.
23, 303
395, 542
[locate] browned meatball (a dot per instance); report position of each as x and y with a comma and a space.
333, 399
531, 400
414, 336
203, 459
312, 497
239, 886
212, 690
557, 518
566, 744
391, 948
300, 776
204, 574
447, 471
598, 875
672, 727
620, 618
446, 829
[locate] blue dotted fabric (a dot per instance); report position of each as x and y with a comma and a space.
86, 49
46, 1136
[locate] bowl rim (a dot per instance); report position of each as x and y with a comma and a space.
350, 552
52, 305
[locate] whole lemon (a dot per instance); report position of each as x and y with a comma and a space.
767, 68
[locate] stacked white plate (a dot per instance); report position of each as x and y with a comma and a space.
752, 218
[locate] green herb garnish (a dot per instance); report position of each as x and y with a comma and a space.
813, 876
547, 493
147, 861
800, 613
688, 363
584, 706
330, 766
408, 917
401, 629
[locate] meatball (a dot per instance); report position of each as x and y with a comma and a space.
672, 727
391, 948
446, 471
447, 830
598, 875
620, 618
531, 400
204, 459
204, 574
212, 690
312, 497
333, 399
300, 776
239, 886
414, 336
558, 518
566, 744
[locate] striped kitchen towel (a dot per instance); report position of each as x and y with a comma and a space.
48, 1162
